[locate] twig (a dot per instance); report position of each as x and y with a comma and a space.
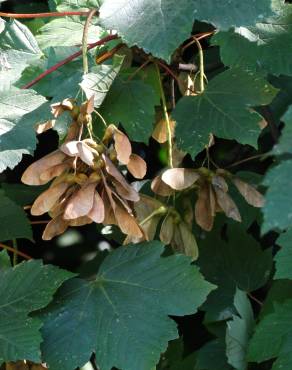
108, 54
11, 249
159, 211
201, 69
42, 15
246, 160
41, 222
84, 40
68, 59
255, 299
168, 70
139, 69
166, 117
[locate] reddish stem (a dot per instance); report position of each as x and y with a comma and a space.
68, 59
168, 70
10, 249
42, 15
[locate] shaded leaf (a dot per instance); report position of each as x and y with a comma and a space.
134, 292
25, 288
223, 109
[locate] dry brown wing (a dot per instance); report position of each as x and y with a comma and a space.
160, 188
81, 202
127, 223
115, 173
250, 194
55, 171
220, 182
123, 146
204, 208
190, 245
86, 153
227, 204
96, 214
180, 178
80, 221
46, 201
160, 133
32, 175
137, 166
55, 227
167, 229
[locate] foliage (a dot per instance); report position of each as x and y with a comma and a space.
160, 130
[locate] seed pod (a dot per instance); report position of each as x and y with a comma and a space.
180, 178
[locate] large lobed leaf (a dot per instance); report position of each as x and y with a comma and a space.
20, 112
262, 47
123, 313
18, 48
224, 109
170, 24
25, 288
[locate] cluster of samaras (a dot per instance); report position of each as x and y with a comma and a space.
212, 192
88, 186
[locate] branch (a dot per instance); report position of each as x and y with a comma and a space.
68, 59
10, 249
42, 15
84, 40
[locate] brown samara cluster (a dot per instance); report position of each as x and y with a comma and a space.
212, 192
88, 185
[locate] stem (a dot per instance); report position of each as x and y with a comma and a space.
68, 59
139, 69
108, 54
84, 40
166, 117
101, 118
14, 242
41, 222
168, 70
255, 299
11, 249
246, 160
159, 211
201, 71
42, 15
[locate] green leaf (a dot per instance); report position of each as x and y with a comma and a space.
4, 260
13, 220
283, 258
280, 291
20, 112
212, 356
272, 334
66, 32
99, 80
131, 103
21, 194
284, 144
224, 109
169, 24
277, 210
262, 47
221, 263
238, 332
25, 288
126, 306
18, 48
